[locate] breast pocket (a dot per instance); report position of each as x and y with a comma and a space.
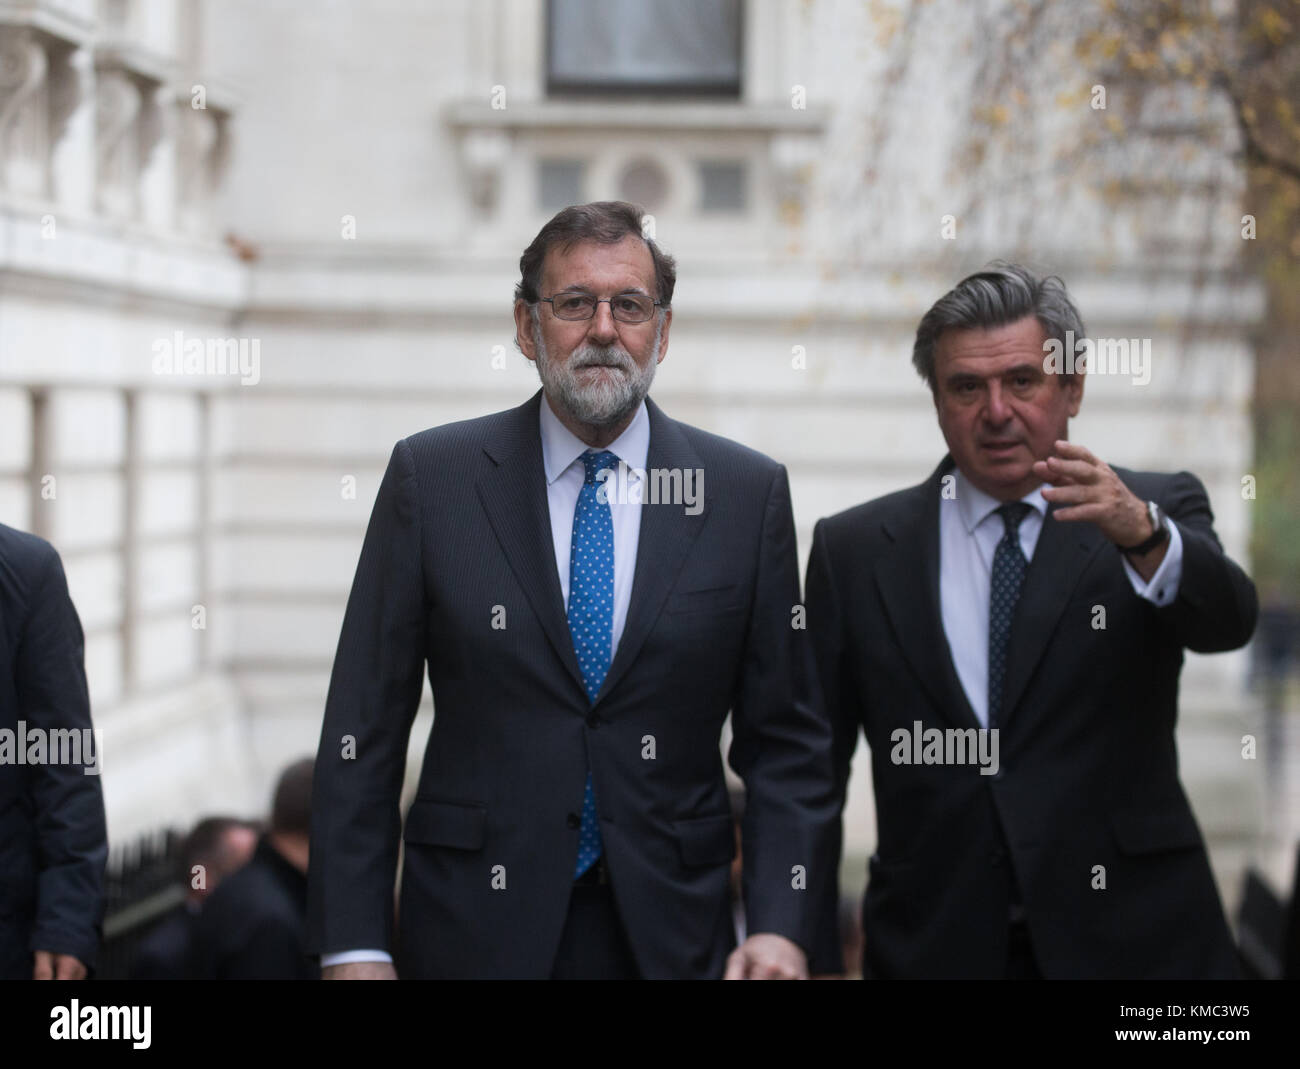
729, 598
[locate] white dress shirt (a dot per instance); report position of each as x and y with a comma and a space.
565, 472
969, 532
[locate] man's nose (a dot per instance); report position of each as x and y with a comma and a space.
603, 330
996, 409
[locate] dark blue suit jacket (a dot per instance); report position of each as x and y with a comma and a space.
1088, 777
53, 842
460, 533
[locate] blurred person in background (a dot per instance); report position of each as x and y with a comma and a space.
53, 838
252, 926
213, 850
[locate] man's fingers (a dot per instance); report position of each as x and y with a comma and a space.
776, 969
68, 968
1071, 494
43, 968
1058, 472
767, 956
1041, 469
1072, 451
736, 963
1076, 470
1079, 512
741, 966
360, 970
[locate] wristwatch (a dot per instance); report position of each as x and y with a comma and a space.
1160, 526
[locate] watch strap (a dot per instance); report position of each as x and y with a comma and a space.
1161, 532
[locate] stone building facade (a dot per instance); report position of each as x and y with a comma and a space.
247, 245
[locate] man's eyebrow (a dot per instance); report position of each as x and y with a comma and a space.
1021, 368
583, 287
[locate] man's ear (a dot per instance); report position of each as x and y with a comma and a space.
663, 336
524, 329
1073, 386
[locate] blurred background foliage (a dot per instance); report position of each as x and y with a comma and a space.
1202, 94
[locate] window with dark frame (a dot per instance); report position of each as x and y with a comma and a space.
644, 46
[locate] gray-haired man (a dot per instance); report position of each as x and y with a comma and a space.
584, 647
1008, 635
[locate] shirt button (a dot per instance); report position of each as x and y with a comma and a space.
573, 821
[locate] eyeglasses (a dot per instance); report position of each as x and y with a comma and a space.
626, 307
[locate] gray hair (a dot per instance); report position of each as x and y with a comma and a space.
1000, 294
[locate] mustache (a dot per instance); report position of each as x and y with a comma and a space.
594, 356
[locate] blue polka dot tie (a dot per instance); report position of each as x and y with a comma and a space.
591, 615
1009, 566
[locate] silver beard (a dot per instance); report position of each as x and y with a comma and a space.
599, 404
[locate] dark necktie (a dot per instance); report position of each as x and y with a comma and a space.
591, 616
1008, 577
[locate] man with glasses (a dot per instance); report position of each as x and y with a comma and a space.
590, 607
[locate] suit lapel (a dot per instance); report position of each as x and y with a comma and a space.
513, 492
1061, 556
915, 613
666, 535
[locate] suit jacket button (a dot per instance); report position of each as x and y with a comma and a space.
573, 821
592, 720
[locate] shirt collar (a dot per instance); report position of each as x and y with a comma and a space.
975, 506
561, 447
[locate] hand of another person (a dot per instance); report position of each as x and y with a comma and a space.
360, 970
767, 956
51, 966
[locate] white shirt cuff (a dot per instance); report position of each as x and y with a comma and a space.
1163, 587
349, 957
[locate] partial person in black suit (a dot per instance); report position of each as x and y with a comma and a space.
252, 927
685, 610
213, 850
53, 839
1008, 635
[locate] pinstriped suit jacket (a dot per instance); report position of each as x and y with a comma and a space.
460, 537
